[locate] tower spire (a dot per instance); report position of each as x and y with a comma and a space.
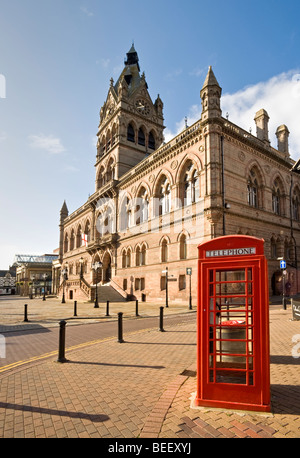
211, 96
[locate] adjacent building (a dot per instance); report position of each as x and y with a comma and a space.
34, 274
154, 202
8, 281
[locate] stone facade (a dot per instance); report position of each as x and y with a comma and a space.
154, 202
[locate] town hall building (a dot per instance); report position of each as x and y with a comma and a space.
155, 202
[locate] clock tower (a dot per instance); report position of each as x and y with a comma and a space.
131, 125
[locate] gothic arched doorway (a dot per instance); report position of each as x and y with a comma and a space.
97, 274
106, 267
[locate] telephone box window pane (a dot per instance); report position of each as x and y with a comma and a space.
237, 377
230, 326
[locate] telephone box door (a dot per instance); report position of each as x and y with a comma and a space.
233, 334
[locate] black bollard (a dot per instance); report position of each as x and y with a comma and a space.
120, 327
62, 340
137, 308
25, 313
107, 308
75, 308
161, 320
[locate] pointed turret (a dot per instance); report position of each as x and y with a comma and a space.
64, 213
210, 79
132, 57
211, 96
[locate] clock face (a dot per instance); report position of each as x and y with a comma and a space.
109, 110
142, 107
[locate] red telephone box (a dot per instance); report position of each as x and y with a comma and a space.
233, 324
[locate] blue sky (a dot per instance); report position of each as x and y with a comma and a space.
56, 60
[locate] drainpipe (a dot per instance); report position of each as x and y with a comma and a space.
223, 183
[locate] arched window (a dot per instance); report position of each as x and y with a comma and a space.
274, 253
141, 137
295, 205
164, 196
78, 237
138, 256
128, 258
190, 184
110, 171
72, 240
101, 178
143, 255
130, 133
124, 258
142, 207
125, 215
113, 136
102, 145
252, 189
151, 141
164, 251
276, 198
66, 243
182, 247
107, 219
87, 231
195, 186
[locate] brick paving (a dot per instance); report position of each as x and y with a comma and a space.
143, 388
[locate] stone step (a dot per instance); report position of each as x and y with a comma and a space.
108, 293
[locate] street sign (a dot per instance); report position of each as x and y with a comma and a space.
282, 265
189, 271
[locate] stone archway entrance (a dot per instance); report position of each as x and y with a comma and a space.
106, 267
97, 275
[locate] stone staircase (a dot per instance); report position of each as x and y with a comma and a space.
108, 293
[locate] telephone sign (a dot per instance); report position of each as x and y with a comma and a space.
233, 366
282, 265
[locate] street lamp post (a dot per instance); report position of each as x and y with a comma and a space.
44, 295
81, 260
167, 299
189, 273
64, 274
95, 267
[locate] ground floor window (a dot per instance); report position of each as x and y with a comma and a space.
182, 282
139, 284
163, 283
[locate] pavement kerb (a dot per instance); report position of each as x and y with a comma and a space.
21, 365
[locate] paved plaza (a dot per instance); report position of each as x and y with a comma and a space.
141, 388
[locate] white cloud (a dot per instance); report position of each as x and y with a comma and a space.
86, 11
279, 96
104, 62
3, 136
48, 143
171, 76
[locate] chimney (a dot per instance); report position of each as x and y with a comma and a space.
282, 134
261, 120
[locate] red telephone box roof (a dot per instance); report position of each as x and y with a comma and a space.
231, 246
